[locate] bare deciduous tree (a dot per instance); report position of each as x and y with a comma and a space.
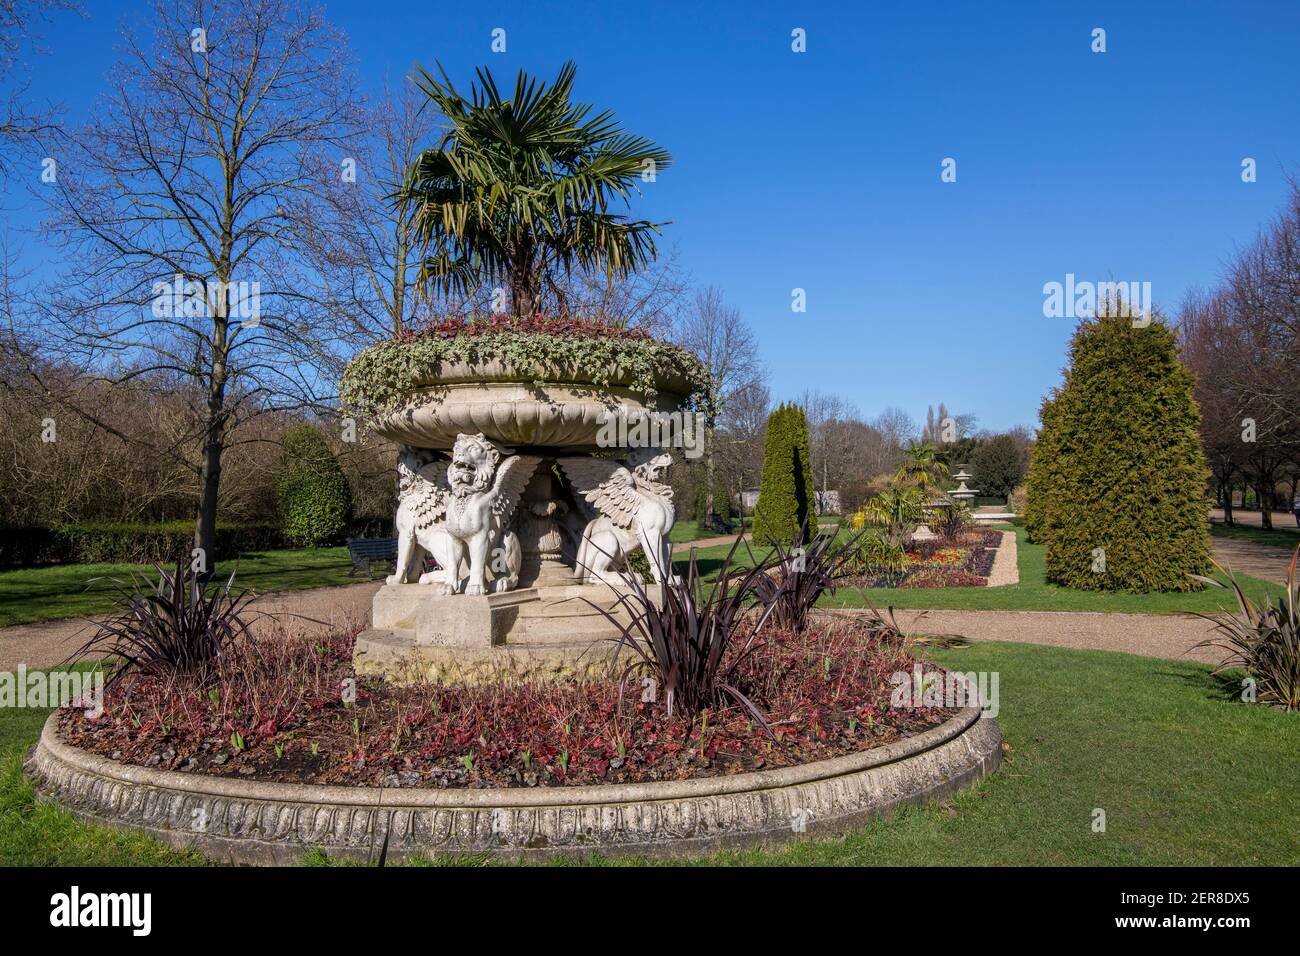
726, 345
740, 436
172, 203
21, 120
357, 239
651, 299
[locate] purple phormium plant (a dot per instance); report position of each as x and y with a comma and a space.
1262, 638
178, 625
799, 576
690, 641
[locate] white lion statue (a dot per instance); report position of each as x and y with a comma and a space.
462, 509
634, 510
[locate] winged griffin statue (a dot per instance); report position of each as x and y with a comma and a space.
633, 509
461, 509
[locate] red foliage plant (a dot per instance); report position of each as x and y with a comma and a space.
567, 327
293, 710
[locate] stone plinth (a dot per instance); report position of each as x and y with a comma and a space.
448, 620
539, 633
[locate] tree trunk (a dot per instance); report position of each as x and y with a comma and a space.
399, 277
1227, 502
1265, 509
214, 435
205, 531
523, 284
708, 473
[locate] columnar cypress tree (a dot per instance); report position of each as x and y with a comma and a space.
1118, 482
1044, 471
805, 489
785, 495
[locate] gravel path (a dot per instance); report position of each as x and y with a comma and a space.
50, 643
1147, 635
1282, 520
1006, 564
1257, 560
684, 547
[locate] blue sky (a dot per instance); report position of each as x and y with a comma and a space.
821, 170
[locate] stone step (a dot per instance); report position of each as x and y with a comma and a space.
562, 631
570, 609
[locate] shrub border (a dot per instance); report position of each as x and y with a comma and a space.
252, 822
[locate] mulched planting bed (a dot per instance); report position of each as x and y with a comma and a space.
292, 710
965, 563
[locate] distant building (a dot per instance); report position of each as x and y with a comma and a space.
826, 502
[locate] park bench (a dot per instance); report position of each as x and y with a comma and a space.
365, 551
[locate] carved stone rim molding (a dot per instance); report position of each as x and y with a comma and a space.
256, 822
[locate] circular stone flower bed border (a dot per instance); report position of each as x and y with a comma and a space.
251, 822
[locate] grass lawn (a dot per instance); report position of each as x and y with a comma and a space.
1277, 537
70, 590
690, 530
1033, 593
62, 591
1185, 773
687, 531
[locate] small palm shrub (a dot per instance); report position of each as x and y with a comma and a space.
1263, 639
312, 493
877, 556
922, 468
175, 626
897, 511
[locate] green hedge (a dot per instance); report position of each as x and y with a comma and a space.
312, 494
126, 543
721, 503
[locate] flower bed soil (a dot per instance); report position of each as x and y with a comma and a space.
292, 711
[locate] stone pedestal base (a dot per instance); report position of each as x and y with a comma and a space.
394, 656
539, 633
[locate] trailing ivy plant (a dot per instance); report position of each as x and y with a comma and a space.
384, 376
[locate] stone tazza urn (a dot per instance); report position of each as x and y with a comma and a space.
524, 475
554, 407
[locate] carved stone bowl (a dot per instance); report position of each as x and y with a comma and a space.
556, 409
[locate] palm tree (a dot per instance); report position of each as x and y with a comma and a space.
922, 467
519, 188
898, 511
